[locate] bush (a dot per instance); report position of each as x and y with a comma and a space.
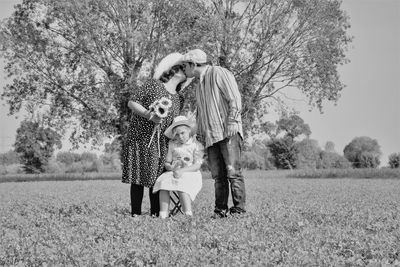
8, 158
110, 162
68, 157
363, 152
394, 160
252, 161
332, 160
308, 156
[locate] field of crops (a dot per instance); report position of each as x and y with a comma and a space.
319, 222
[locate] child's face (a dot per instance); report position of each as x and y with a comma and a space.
182, 134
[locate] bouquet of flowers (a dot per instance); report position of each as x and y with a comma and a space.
158, 108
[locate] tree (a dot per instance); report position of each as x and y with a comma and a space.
394, 160
83, 59
363, 152
274, 45
330, 146
284, 149
332, 160
284, 152
35, 145
308, 154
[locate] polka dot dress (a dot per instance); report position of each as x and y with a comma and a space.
142, 165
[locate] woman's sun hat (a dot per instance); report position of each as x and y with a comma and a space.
167, 63
178, 121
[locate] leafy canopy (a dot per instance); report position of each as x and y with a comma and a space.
79, 61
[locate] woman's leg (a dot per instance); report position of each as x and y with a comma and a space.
186, 203
164, 203
154, 202
136, 199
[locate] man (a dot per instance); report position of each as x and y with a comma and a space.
219, 123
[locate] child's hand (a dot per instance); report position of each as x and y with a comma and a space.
177, 174
175, 165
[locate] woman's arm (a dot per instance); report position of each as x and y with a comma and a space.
141, 111
138, 109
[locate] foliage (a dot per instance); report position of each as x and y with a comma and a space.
8, 158
330, 146
35, 145
260, 147
332, 160
284, 152
83, 59
309, 223
293, 126
274, 45
363, 152
67, 157
361, 173
252, 161
394, 160
308, 156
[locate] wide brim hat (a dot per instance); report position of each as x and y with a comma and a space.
167, 63
178, 121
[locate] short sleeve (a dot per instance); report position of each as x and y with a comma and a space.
198, 153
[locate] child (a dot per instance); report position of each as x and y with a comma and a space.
184, 158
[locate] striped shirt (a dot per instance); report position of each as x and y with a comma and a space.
218, 102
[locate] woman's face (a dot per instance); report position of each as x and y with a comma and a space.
189, 69
180, 72
182, 134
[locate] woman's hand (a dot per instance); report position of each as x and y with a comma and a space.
154, 118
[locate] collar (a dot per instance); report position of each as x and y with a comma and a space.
189, 142
203, 73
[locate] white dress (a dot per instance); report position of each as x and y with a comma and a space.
188, 154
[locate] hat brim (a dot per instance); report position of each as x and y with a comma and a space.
167, 63
169, 131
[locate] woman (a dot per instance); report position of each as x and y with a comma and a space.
144, 156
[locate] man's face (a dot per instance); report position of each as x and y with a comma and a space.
188, 69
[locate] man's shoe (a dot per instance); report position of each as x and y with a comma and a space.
219, 214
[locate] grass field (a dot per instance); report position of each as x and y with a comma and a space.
290, 222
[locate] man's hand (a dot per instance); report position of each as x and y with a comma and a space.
233, 128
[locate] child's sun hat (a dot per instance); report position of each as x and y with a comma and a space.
178, 121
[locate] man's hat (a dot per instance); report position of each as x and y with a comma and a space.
196, 56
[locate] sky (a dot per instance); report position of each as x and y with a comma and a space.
369, 104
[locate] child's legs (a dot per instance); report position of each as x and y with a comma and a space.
186, 202
164, 203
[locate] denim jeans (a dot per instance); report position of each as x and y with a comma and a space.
224, 163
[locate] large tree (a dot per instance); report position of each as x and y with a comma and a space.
363, 152
35, 144
275, 45
82, 58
